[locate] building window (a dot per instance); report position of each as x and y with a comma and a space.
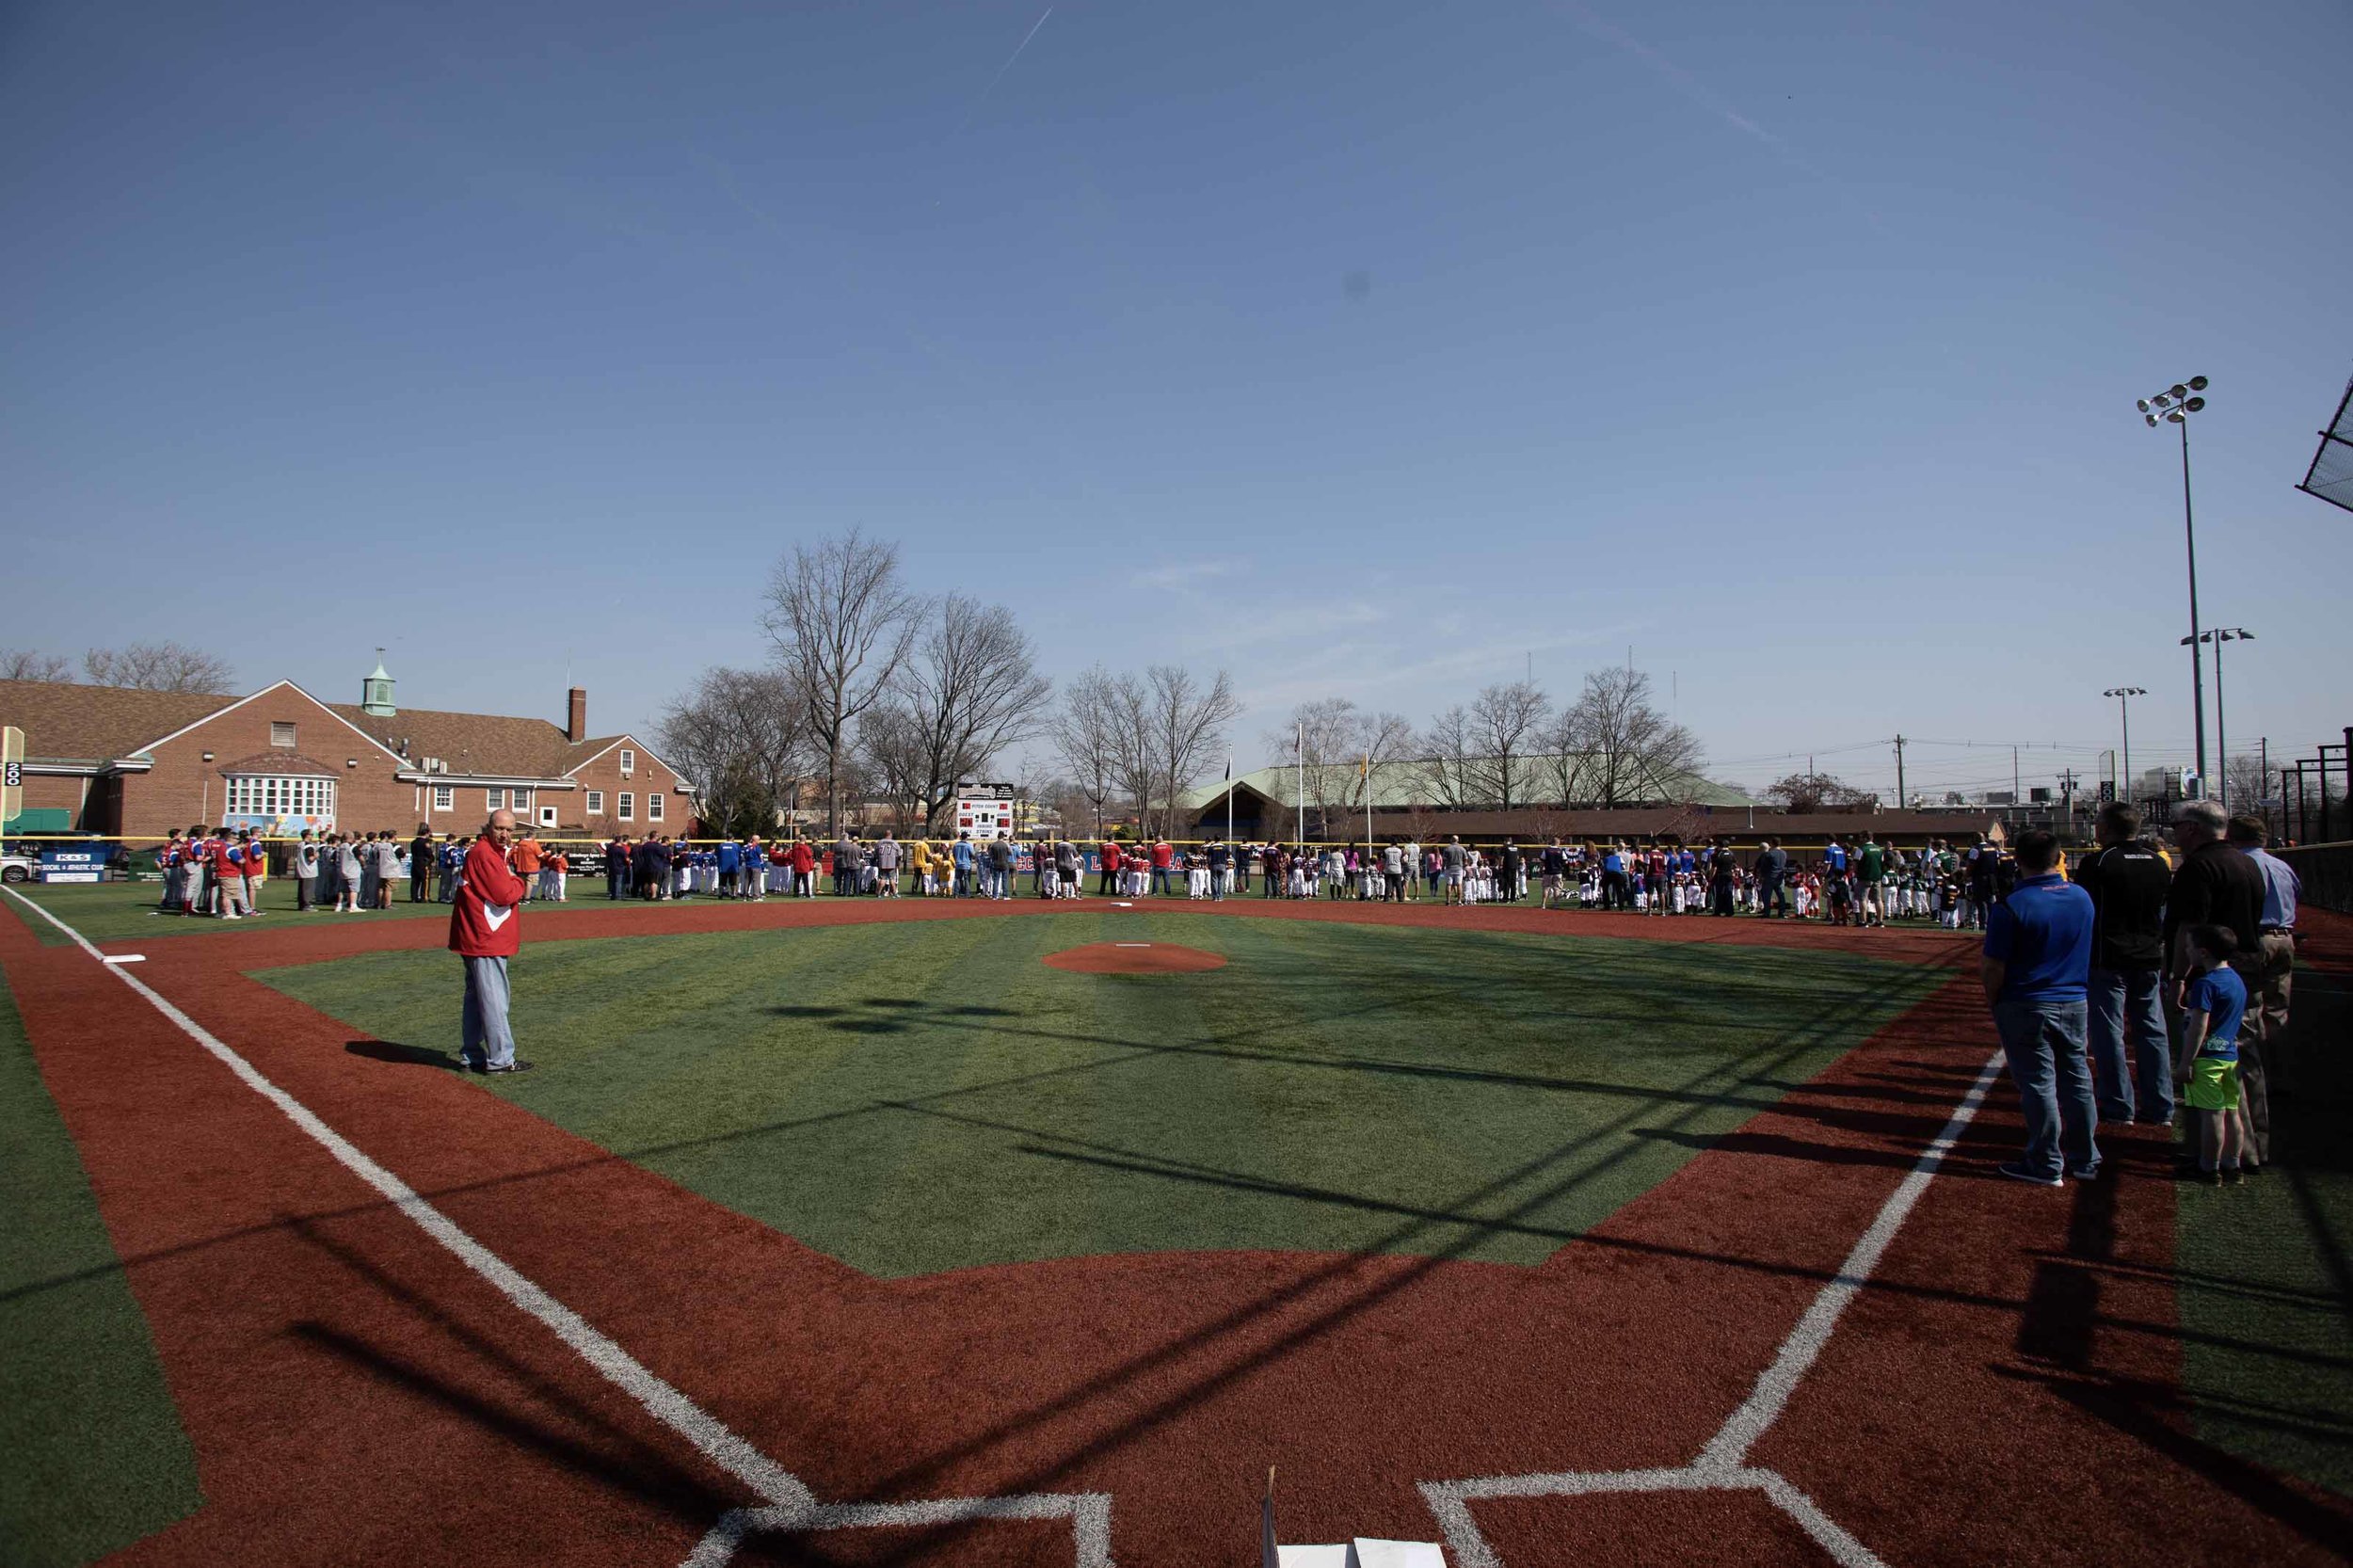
444, 797
628, 806
279, 799
629, 761
494, 799
522, 800
281, 736
653, 804
595, 803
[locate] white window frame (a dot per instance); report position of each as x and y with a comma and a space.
444, 797
259, 794
653, 804
547, 816
595, 803
281, 734
494, 799
520, 800
629, 762
628, 806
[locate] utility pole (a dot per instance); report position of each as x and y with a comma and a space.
2016, 793
1900, 800
2066, 796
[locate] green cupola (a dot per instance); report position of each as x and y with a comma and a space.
375, 692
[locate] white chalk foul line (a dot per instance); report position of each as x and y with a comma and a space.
1720, 1467
790, 1505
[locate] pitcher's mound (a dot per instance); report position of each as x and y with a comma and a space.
1134, 958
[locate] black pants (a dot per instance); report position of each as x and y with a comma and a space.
1613, 891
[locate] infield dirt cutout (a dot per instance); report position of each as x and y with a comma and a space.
1134, 958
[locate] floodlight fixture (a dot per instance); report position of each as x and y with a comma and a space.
2198, 383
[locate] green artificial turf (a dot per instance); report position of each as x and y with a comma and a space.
2266, 1270
91, 1454
928, 1095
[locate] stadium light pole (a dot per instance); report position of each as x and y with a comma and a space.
2123, 695
2174, 406
2221, 734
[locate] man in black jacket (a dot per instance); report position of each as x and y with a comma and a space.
2131, 1058
421, 865
2216, 885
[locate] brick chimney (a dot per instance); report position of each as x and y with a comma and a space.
576, 715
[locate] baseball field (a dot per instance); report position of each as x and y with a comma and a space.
943, 1232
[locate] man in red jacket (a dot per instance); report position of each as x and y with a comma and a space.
485, 930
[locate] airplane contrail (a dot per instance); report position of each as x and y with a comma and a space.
1010, 58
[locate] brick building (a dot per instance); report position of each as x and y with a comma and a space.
136, 764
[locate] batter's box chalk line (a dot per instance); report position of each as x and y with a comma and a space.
1089, 1512
1722, 1465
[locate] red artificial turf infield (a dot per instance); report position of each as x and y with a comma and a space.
1133, 958
354, 1393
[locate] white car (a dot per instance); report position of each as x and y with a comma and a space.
18, 868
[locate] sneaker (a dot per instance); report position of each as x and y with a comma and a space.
2017, 1172
2090, 1173
2235, 1176
516, 1066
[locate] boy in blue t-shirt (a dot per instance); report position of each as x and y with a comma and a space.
2208, 1068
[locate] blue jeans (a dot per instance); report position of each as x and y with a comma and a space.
1159, 880
2132, 1062
2044, 1039
487, 1040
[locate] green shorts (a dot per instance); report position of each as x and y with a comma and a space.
2213, 1085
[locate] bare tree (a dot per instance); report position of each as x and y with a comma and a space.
1448, 762
1085, 736
841, 623
22, 664
1801, 793
1506, 724
969, 690
1188, 726
742, 739
1337, 747
1320, 742
1629, 750
158, 668
893, 753
1134, 765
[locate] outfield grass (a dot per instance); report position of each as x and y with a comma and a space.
926, 1096
94, 1456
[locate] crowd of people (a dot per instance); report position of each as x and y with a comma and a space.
1865, 883
2143, 981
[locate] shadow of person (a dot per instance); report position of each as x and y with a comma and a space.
413, 1056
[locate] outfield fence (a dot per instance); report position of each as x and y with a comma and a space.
2326, 872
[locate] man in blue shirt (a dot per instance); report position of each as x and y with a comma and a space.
2035, 968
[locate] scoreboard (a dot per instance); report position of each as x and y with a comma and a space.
984, 810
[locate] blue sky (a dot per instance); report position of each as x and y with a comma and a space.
1376, 351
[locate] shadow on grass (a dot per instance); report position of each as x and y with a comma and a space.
409, 1056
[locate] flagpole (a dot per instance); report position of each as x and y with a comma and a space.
1302, 824
1230, 797
1368, 777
